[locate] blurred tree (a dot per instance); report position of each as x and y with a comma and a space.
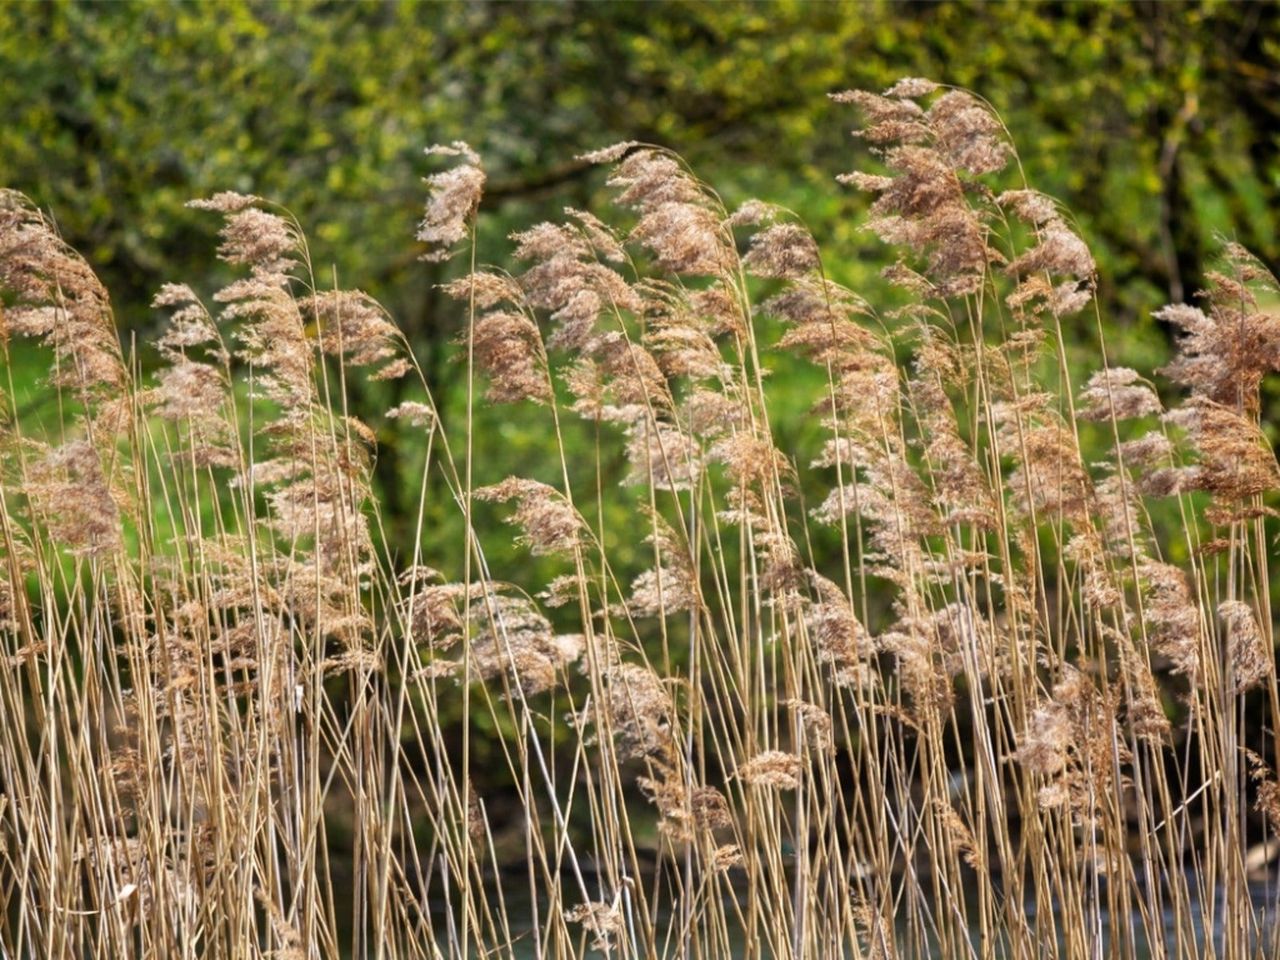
1156, 123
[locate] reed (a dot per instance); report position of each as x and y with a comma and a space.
980, 700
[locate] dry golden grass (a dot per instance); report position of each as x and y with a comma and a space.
1002, 720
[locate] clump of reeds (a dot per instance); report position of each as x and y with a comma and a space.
1006, 689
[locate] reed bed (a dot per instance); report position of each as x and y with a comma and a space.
1007, 690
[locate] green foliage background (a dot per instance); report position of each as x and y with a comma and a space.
1157, 123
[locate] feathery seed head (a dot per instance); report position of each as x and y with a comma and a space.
453, 197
